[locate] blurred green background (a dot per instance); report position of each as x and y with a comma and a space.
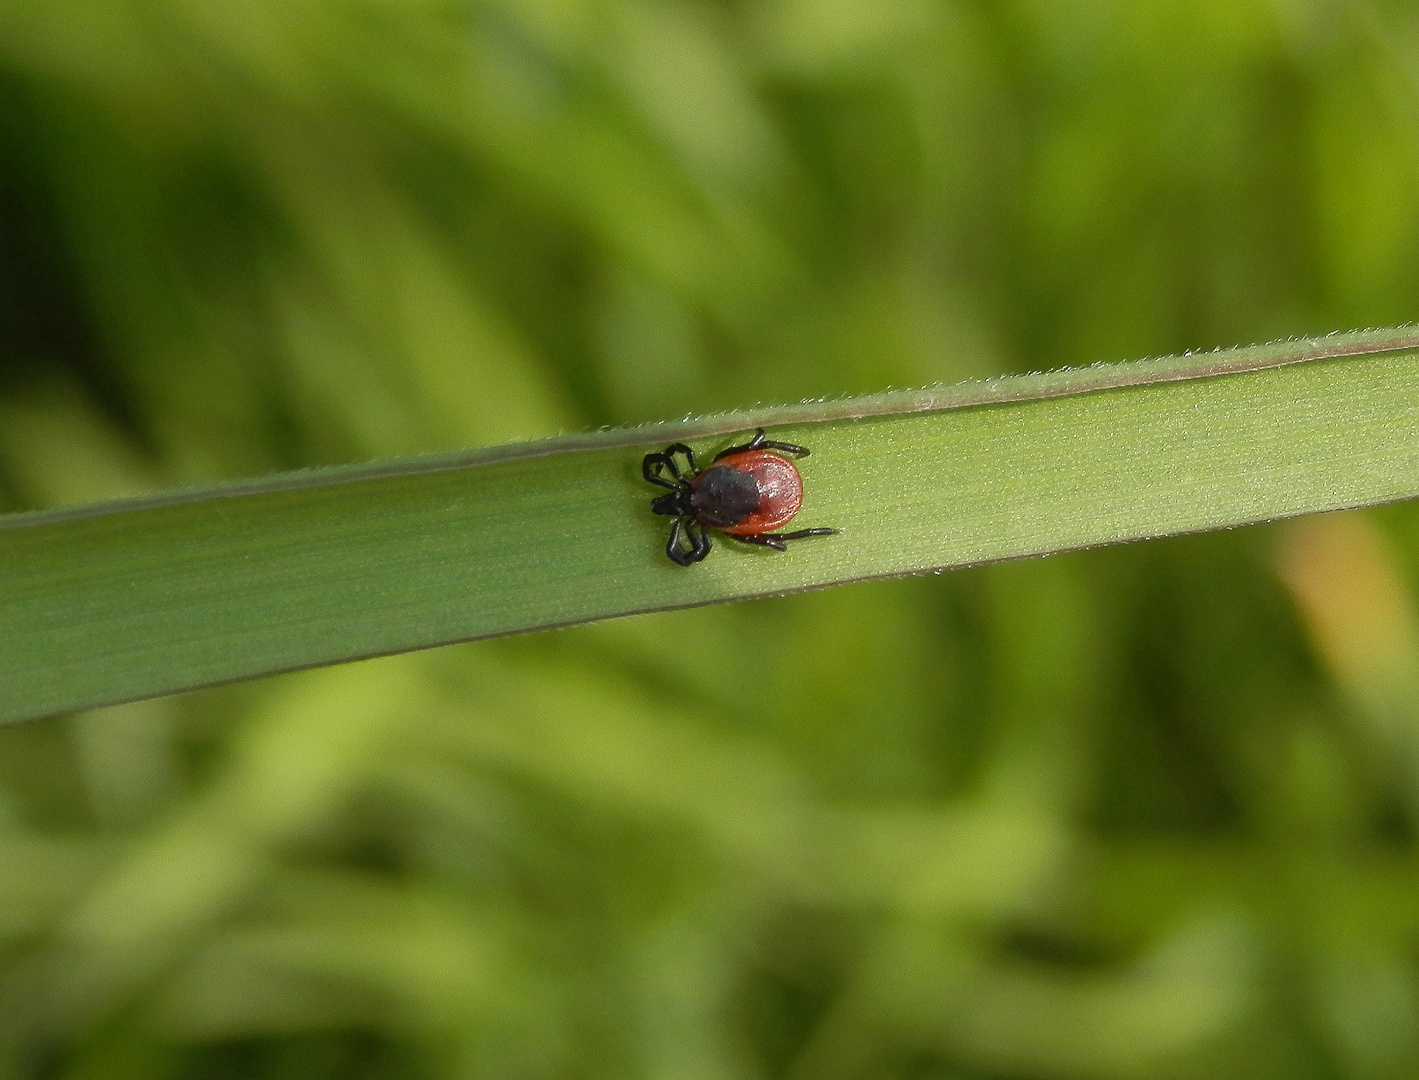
1149, 811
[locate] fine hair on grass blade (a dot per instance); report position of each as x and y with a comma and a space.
150, 596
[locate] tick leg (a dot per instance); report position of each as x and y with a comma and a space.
699, 541
653, 464
758, 442
681, 448
791, 449
762, 540
651, 468
700, 538
674, 550
778, 541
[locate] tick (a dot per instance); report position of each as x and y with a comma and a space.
748, 491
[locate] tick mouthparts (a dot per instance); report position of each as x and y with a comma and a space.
671, 504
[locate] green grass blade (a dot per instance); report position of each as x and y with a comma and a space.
127, 600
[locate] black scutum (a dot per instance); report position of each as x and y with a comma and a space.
724, 496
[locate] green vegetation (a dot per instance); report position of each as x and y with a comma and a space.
1147, 810
173, 593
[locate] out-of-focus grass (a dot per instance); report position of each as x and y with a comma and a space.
1143, 812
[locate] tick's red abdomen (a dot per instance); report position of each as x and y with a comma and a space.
780, 491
